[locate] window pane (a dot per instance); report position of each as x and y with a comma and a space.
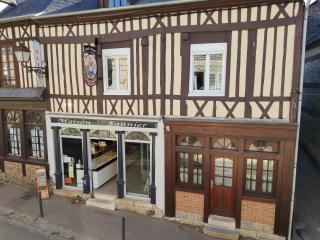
190, 141
218, 181
264, 187
224, 143
228, 182
137, 157
199, 66
219, 162
197, 168
253, 186
228, 163
137, 136
123, 81
35, 142
267, 177
7, 67
219, 171
183, 162
215, 74
262, 146
251, 171
14, 140
112, 73
254, 174
228, 172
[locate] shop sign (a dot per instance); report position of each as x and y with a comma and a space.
90, 65
101, 122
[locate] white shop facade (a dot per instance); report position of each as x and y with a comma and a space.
112, 155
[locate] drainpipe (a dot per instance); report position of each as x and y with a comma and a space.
303, 52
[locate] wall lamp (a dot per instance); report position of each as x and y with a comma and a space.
22, 54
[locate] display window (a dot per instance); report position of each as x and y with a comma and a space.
103, 149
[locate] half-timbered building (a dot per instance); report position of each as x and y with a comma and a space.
184, 107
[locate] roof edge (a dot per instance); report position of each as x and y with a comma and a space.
143, 9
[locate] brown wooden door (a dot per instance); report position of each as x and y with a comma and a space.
223, 186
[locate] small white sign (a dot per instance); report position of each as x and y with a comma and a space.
41, 177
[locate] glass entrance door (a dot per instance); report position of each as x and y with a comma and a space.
137, 164
72, 157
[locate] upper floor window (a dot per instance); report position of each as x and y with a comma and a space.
116, 71
7, 74
117, 3
208, 69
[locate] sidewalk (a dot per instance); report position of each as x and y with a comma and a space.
98, 223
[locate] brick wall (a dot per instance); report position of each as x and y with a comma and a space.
258, 212
31, 170
189, 202
13, 172
13, 169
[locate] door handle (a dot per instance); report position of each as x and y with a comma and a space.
211, 183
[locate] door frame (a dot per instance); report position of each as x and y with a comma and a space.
124, 141
235, 183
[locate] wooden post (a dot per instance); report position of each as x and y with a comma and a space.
86, 177
120, 166
153, 170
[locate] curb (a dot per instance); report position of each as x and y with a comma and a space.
40, 226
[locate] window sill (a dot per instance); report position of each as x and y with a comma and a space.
260, 198
117, 93
206, 94
190, 188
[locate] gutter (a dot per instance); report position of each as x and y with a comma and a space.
303, 53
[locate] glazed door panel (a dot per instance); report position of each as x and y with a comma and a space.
223, 186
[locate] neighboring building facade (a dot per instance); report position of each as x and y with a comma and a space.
310, 113
192, 108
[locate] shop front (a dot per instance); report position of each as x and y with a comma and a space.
235, 170
107, 155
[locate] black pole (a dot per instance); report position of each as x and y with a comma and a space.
92, 190
120, 166
57, 154
153, 170
40, 203
123, 228
86, 177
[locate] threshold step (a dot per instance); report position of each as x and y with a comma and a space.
220, 232
105, 196
220, 221
100, 203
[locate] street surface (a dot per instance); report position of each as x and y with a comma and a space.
12, 232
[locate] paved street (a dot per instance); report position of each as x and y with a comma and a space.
98, 223
12, 232
307, 212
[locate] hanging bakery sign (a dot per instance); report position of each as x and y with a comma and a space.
90, 65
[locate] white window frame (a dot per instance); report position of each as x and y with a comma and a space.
206, 49
116, 53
